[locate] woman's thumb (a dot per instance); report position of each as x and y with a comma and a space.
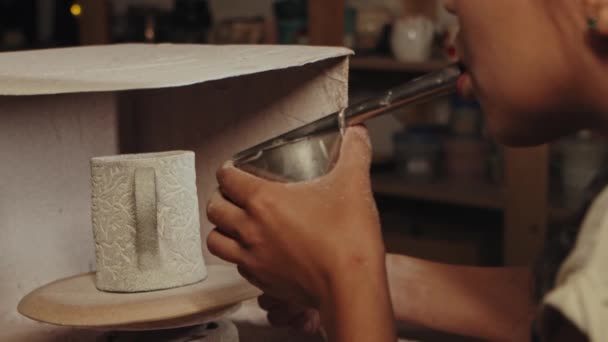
355, 152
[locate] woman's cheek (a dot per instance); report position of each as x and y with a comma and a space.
502, 128
522, 110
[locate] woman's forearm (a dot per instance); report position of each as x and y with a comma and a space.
488, 303
358, 306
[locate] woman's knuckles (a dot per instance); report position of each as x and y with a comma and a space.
357, 148
250, 236
215, 246
278, 318
213, 212
261, 202
221, 174
267, 303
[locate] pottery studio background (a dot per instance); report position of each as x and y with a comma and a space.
445, 191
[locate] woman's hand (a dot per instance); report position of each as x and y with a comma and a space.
294, 240
283, 314
315, 244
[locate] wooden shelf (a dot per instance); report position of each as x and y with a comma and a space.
384, 63
485, 196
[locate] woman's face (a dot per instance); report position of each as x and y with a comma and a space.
524, 60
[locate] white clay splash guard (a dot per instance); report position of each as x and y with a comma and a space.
145, 66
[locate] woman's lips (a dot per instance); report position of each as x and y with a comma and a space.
464, 86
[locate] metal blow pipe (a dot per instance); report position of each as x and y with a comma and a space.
311, 151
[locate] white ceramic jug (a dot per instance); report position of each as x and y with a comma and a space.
412, 39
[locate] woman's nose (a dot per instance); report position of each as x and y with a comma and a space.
450, 6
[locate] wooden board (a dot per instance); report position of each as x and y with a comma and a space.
76, 302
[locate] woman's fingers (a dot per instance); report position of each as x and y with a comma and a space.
309, 322
237, 185
249, 277
279, 312
267, 302
278, 318
450, 6
282, 313
355, 152
225, 247
229, 218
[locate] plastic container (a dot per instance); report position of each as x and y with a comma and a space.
466, 159
418, 153
466, 119
291, 17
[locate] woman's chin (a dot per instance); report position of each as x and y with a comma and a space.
513, 137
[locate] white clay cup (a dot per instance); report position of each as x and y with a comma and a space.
146, 222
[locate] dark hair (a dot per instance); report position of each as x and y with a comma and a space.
561, 238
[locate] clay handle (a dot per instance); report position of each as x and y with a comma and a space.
146, 233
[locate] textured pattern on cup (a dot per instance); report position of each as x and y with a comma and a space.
126, 262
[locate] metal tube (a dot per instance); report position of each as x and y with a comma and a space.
423, 88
